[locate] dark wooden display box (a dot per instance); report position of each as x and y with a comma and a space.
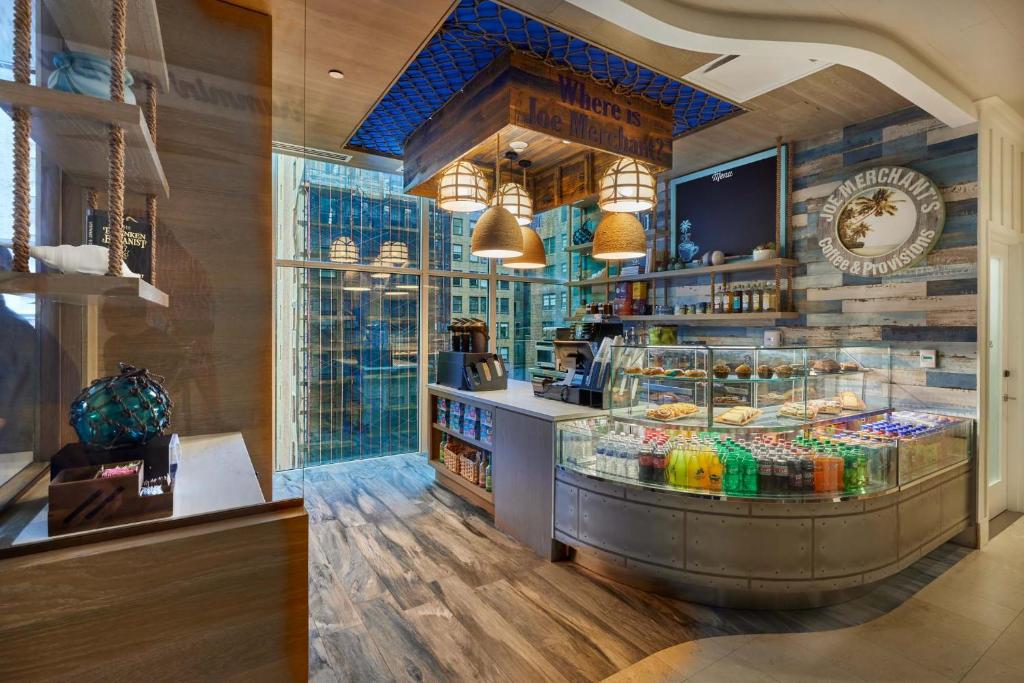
80, 500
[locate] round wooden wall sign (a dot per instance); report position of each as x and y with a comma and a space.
880, 221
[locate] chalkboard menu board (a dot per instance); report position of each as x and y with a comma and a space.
729, 208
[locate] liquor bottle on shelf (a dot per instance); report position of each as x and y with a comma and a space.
757, 297
481, 470
769, 299
487, 474
444, 445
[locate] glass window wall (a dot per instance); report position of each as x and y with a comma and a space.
349, 366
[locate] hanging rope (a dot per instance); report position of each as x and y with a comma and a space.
22, 130
150, 114
115, 184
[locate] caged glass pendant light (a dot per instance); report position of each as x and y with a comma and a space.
497, 233
533, 256
394, 253
343, 250
515, 198
619, 236
626, 186
462, 187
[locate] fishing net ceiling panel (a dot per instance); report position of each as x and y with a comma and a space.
475, 33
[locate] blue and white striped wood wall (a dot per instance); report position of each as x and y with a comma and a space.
930, 306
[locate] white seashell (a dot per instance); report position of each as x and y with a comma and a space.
87, 259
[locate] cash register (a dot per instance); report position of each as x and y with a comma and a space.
583, 352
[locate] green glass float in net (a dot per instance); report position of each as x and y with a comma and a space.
128, 409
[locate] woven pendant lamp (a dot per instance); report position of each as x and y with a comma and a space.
462, 187
627, 185
619, 236
533, 252
497, 233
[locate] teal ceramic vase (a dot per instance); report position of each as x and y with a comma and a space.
86, 74
128, 409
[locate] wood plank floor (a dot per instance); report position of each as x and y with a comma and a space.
408, 582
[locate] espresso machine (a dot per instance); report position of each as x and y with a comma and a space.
468, 365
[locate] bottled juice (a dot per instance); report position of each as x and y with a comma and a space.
715, 472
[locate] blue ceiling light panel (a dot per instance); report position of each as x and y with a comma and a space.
474, 34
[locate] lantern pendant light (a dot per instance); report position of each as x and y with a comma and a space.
515, 197
394, 253
496, 234
343, 250
626, 186
619, 236
462, 187
533, 246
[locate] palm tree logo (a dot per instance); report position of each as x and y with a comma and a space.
858, 216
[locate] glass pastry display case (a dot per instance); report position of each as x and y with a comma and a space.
807, 423
746, 387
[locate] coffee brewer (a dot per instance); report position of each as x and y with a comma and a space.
469, 365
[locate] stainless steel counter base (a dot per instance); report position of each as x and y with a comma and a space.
755, 554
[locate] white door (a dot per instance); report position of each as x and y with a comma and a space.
999, 379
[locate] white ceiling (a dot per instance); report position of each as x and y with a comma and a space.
976, 44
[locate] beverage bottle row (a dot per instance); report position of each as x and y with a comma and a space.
760, 465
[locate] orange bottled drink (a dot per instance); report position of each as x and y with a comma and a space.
821, 474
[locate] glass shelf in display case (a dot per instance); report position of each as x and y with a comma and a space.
748, 388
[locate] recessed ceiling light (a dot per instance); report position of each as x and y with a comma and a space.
564, 141
336, 74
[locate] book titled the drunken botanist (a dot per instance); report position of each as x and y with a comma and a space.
136, 240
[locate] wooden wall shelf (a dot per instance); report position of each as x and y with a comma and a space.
81, 289
85, 27
697, 319
734, 267
72, 130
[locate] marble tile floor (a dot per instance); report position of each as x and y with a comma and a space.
408, 582
966, 625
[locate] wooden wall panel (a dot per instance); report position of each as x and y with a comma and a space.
223, 600
930, 306
214, 342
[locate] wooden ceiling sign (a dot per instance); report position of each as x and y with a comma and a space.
521, 97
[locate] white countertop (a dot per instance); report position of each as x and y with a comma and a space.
519, 398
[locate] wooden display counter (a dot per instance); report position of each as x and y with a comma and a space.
522, 458
224, 581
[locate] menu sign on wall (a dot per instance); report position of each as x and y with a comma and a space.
569, 107
880, 221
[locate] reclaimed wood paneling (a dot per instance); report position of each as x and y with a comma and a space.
214, 341
930, 306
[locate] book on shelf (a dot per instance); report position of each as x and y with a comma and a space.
137, 245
